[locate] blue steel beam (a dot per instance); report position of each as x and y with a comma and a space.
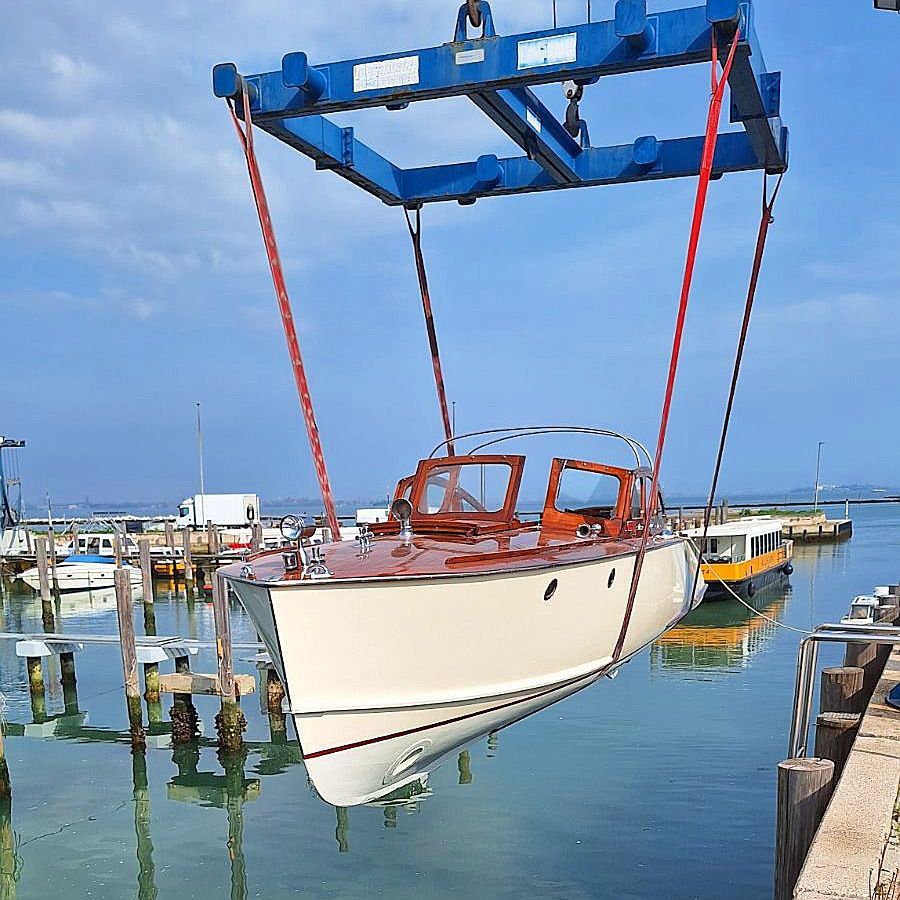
495, 73
648, 159
756, 96
580, 53
533, 127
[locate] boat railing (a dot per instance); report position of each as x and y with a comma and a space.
501, 435
807, 659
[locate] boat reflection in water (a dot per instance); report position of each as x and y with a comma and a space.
719, 637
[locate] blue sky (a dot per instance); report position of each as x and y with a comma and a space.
134, 280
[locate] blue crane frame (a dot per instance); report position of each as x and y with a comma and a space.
496, 73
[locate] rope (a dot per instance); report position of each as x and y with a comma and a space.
245, 136
767, 218
753, 609
706, 166
415, 234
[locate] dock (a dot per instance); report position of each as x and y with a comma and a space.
855, 854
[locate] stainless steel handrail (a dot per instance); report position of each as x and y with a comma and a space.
807, 657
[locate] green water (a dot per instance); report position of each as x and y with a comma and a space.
660, 783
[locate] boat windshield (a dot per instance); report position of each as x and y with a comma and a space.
465, 487
588, 493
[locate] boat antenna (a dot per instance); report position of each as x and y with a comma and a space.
202, 518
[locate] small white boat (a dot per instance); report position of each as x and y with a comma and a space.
83, 573
456, 618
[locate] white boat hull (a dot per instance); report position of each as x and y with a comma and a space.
82, 577
386, 677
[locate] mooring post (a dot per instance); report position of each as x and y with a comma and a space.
51, 552
274, 698
5, 783
117, 547
129, 659
212, 538
804, 789
234, 805
75, 538
183, 714
230, 722
68, 682
842, 690
146, 868
170, 543
256, 538
188, 562
835, 734
464, 765
342, 831
146, 571
36, 688
44, 581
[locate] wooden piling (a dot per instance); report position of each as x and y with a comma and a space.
256, 538
36, 688
51, 552
69, 682
212, 538
464, 765
342, 830
117, 548
274, 697
170, 537
5, 783
146, 570
230, 722
188, 561
835, 734
185, 721
129, 659
804, 789
842, 690
47, 616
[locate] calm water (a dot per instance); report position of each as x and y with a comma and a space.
660, 783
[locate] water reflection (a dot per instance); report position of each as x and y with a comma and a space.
720, 637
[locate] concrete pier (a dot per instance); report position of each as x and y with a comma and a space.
856, 852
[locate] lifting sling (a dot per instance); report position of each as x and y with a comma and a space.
245, 135
415, 234
706, 167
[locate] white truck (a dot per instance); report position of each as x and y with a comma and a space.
227, 510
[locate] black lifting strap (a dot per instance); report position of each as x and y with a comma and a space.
415, 233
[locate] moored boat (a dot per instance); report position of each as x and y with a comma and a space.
455, 618
741, 557
83, 572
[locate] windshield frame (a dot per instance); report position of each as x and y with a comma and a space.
506, 513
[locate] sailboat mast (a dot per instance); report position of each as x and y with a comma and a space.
8, 515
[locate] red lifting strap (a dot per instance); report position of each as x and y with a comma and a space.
245, 135
706, 167
416, 236
767, 218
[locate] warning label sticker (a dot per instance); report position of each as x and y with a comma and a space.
386, 73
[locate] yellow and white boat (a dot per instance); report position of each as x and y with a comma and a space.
743, 556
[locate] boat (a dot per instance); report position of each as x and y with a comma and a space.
741, 557
456, 618
83, 572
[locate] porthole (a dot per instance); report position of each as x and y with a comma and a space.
551, 589
612, 578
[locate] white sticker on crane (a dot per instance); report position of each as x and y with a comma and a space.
533, 120
553, 50
467, 57
386, 73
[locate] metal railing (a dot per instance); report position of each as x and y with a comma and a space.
807, 658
